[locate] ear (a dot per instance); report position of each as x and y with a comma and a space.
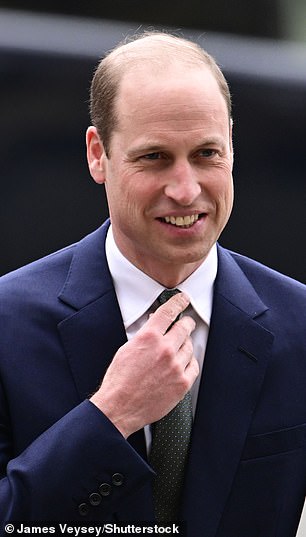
95, 155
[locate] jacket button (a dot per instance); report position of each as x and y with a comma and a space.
117, 479
83, 509
95, 499
105, 489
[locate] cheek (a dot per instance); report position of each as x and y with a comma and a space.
220, 185
126, 203
228, 200
227, 195
137, 193
222, 195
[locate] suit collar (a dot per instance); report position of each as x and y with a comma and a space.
88, 277
235, 287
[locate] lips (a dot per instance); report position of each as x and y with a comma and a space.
181, 221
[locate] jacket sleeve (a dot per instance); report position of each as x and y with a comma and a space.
81, 468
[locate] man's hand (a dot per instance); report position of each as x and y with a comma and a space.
152, 372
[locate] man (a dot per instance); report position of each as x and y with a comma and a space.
88, 363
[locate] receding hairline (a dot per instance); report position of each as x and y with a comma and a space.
138, 46
156, 51
159, 47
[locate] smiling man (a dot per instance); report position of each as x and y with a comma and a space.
168, 169
119, 401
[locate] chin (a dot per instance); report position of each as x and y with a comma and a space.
186, 258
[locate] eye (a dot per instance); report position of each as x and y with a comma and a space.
152, 156
207, 153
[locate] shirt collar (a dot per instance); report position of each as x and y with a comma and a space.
136, 291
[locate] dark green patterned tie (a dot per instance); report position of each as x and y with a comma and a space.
169, 451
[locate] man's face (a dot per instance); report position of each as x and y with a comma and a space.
169, 173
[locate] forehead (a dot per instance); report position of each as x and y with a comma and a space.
168, 93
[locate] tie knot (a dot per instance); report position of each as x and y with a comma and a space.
166, 295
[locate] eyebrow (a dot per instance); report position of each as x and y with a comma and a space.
155, 147
214, 140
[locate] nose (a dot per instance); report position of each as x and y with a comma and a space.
182, 185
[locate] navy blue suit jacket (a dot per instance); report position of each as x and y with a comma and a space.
60, 328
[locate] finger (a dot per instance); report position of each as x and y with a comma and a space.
185, 353
192, 371
180, 332
166, 314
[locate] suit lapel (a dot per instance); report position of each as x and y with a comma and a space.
234, 367
93, 332
91, 337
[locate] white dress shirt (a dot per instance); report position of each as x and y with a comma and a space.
136, 292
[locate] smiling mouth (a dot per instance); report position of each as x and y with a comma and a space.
182, 221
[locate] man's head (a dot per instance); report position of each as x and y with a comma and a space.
156, 48
164, 154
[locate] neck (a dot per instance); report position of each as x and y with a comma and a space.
168, 275
168, 272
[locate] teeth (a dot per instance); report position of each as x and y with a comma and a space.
182, 221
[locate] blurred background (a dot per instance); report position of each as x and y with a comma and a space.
47, 57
